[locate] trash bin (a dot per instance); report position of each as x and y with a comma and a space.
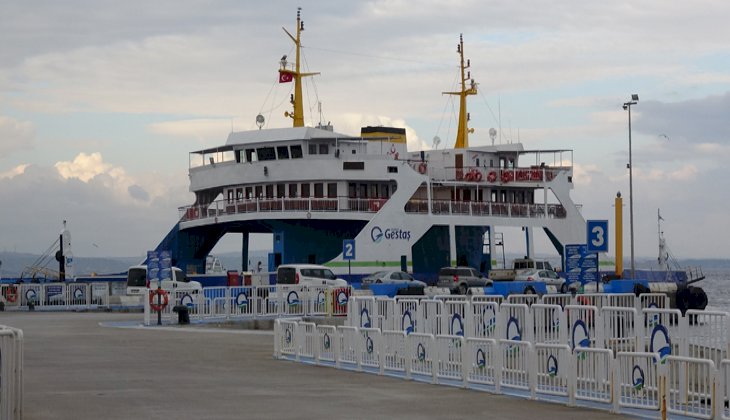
233, 278
183, 316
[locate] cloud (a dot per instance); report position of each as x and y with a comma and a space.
703, 120
138, 193
84, 167
15, 135
18, 170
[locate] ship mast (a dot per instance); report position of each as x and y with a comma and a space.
462, 133
298, 115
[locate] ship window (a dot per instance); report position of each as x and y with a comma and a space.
373, 191
312, 149
239, 194
249, 193
318, 190
266, 153
332, 190
239, 155
305, 190
363, 191
296, 152
384, 191
251, 155
282, 152
269, 191
392, 169
353, 166
230, 196
280, 188
352, 190
324, 149
292, 190
259, 192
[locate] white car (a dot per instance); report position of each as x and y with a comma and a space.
307, 275
391, 277
137, 282
549, 277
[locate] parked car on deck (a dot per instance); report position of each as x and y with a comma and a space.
460, 279
307, 275
549, 277
391, 277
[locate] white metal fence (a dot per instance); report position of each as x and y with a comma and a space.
251, 302
55, 296
11, 373
620, 352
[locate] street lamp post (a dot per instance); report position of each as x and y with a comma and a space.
627, 107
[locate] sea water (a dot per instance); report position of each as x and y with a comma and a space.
717, 286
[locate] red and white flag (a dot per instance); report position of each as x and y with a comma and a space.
285, 77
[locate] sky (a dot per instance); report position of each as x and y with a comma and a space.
102, 101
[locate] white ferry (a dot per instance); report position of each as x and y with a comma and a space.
420, 210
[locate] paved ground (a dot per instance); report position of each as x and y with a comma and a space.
77, 369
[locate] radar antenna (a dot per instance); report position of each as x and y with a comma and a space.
492, 134
436, 142
260, 120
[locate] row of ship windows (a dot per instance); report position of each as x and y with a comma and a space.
280, 152
307, 190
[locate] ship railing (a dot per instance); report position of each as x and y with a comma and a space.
482, 208
283, 204
480, 175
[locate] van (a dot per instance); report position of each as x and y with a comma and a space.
307, 275
137, 282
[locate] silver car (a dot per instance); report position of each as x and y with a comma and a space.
549, 277
391, 277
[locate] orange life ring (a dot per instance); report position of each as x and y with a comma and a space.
469, 176
165, 300
11, 293
477, 176
492, 176
422, 168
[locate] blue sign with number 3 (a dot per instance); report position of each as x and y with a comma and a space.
597, 236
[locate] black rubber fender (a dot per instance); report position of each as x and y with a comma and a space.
684, 297
640, 288
698, 298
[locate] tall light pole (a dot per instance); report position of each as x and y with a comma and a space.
627, 107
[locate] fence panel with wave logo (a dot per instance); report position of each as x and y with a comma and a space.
316, 300
690, 387
77, 295
420, 356
450, 357
306, 340
11, 373
384, 314
553, 369
481, 361
394, 351
348, 350
241, 301
484, 319
584, 326
515, 366
325, 344
286, 337
637, 380
406, 315
454, 318
515, 322
430, 314
562, 300
653, 300
665, 332
593, 370
550, 324
621, 329
370, 348
708, 335
527, 299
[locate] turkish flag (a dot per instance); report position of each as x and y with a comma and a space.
285, 77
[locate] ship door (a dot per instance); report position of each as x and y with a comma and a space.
459, 164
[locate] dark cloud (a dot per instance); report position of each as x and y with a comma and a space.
138, 193
695, 121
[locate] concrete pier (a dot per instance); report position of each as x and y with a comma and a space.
75, 368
